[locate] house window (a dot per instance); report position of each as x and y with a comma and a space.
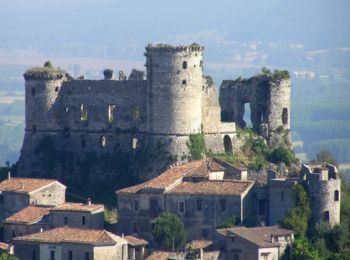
1, 199
83, 112
70, 255
199, 205
134, 143
110, 113
336, 195
184, 65
103, 141
265, 256
13, 233
181, 207
83, 222
52, 255
184, 82
282, 195
65, 220
326, 216
136, 205
154, 207
33, 254
135, 113
135, 227
87, 256
223, 204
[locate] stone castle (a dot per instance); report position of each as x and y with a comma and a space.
76, 117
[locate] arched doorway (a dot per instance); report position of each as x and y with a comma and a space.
227, 144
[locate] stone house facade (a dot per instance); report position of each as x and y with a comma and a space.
202, 193
29, 220
66, 243
77, 215
136, 247
260, 243
18, 193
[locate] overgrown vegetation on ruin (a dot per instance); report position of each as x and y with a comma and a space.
276, 74
196, 146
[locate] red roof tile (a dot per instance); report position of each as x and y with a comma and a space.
224, 187
28, 215
135, 241
71, 206
260, 236
24, 185
73, 235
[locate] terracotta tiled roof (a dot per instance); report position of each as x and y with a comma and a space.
73, 235
199, 244
160, 255
4, 247
260, 236
225, 187
135, 241
30, 214
71, 206
24, 185
167, 178
200, 168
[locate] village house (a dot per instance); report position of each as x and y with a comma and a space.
29, 220
71, 214
203, 193
67, 243
258, 243
18, 193
136, 247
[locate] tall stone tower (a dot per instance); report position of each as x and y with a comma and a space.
323, 186
42, 86
174, 89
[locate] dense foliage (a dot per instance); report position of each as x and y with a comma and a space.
169, 232
5, 256
196, 146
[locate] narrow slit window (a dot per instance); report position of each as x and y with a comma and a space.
199, 205
103, 141
56, 89
184, 82
184, 65
336, 195
111, 113
83, 112
134, 143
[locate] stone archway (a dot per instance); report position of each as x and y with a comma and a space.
227, 144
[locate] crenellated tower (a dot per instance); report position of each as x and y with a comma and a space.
42, 86
174, 89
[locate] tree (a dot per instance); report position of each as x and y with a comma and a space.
297, 218
5, 256
169, 232
282, 154
48, 64
325, 156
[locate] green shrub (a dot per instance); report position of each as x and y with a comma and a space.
282, 154
196, 146
48, 64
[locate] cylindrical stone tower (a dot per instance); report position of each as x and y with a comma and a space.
42, 86
174, 89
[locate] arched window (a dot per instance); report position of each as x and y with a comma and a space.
227, 144
184, 65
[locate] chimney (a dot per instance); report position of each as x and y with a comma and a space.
89, 201
9, 175
122, 235
41, 230
11, 250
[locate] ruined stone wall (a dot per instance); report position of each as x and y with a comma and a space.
269, 100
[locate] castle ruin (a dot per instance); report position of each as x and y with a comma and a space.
131, 118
